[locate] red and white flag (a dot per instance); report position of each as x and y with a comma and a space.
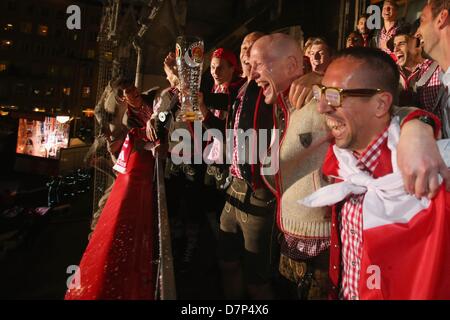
409, 260
124, 155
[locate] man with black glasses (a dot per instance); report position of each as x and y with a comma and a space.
374, 220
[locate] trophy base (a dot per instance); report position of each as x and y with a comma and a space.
190, 116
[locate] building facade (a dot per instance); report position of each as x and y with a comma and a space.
44, 65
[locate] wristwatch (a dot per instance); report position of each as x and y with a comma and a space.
428, 120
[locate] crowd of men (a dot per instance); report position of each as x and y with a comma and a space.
375, 109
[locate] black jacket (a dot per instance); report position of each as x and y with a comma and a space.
255, 114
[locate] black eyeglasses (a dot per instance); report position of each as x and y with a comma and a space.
334, 96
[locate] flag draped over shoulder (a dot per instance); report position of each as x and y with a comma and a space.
409, 260
406, 241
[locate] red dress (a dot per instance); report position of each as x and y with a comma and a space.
117, 263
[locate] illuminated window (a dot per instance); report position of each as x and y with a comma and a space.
42, 30
88, 112
108, 55
8, 27
3, 67
86, 92
26, 27
66, 91
6, 43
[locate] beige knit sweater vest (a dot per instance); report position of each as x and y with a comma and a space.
302, 153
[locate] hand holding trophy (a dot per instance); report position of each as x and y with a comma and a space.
189, 58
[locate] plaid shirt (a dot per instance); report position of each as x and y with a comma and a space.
223, 88
302, 248
215, 153
429, 92
385, 36
366, 39
234, 168
351, 224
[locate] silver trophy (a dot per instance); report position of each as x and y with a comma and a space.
189, 57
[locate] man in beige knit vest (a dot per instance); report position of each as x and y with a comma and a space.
277, 62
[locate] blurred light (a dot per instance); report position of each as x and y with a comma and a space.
88, 112
4, 113
108, 55
86, 92
8, 108
62, 119
42, 30
37, 109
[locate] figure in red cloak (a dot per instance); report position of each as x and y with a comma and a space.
117, 263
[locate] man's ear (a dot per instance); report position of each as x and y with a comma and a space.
293, 65
443, 19
383, 102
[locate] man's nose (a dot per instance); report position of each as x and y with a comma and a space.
323, 106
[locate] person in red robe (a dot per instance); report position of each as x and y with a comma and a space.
117, 263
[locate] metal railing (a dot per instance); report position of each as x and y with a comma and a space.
166, 274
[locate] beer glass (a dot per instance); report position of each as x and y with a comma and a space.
189, 58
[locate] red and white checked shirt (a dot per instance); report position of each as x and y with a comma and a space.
302, 248
234, 168
428, 93
366, 39
215, 153
351, 224
385, 36
223, 88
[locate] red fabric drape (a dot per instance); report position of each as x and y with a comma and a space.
117, 263
412, 259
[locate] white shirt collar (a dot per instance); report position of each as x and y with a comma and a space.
446, 78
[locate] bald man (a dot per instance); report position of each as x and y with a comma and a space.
246, 221
245, 265
276, 61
